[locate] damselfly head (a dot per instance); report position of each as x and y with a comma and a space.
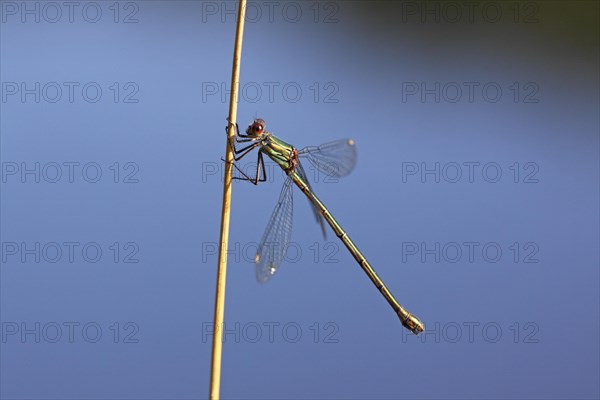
256, 128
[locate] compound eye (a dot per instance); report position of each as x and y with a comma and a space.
258, 128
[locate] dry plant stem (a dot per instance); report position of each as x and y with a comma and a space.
215, 377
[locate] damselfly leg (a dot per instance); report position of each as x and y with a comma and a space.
241, 153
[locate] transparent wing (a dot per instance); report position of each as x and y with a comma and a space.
318, 215
276, 238
336, 159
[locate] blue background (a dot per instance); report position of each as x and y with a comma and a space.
535, 324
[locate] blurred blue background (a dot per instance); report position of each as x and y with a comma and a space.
475, 198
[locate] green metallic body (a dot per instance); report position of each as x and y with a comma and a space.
278, 151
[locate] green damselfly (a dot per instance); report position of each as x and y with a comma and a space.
336, 159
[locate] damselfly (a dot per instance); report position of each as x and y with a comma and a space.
336, 159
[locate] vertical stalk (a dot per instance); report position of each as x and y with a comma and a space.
217, 346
